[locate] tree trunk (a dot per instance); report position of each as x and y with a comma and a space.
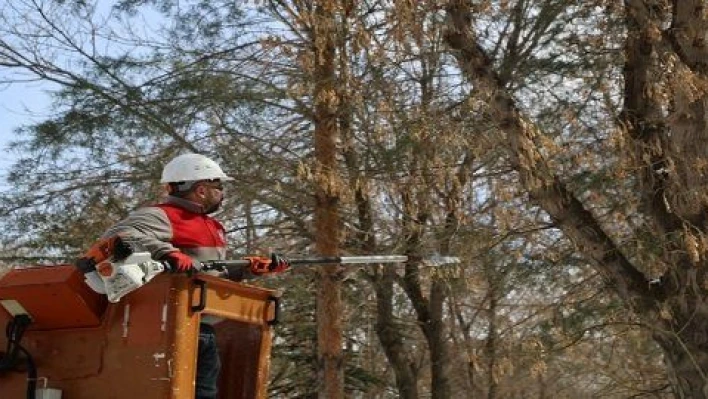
429, 311
490, 345
437, 340
329, 301
392, 340
686, 353
664, 148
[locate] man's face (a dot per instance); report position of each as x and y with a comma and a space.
210, 195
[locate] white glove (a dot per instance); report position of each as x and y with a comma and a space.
95, 282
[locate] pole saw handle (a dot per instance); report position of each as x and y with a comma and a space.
240, 269
248, 267
235, 270
318, 260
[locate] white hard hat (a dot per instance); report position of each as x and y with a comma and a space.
192, 167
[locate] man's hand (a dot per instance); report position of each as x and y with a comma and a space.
274, 264
179, 261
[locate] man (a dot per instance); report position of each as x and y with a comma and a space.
181, 232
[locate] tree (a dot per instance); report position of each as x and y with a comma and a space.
326, 100
350, 129
658, 116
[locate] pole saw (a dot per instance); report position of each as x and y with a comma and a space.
113, 268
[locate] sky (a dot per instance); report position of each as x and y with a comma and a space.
25, 103
20, 104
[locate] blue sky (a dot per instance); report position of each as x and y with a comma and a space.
25, 103
20, 104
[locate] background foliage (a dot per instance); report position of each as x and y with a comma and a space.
428, 161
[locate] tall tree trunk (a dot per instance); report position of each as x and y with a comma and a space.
416, 204
429, 311
392, 341
435, 332
664, 133
490, 345
387, 330
329, 301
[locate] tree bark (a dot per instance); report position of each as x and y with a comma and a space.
664, 148
429, 311
490, 345
327, 226
392, 340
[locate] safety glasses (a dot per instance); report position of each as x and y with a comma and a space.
215, 184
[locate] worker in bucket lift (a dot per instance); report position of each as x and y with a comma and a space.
181, 232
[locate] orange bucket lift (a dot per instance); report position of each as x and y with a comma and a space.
144, 346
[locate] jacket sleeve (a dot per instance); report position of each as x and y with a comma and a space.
147, 229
